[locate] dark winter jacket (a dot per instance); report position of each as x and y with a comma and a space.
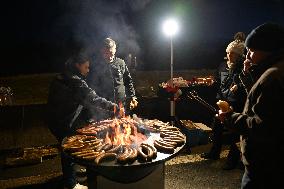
226, 79
261, 122
68, 95
112, 80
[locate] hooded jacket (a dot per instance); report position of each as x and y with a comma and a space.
68, 95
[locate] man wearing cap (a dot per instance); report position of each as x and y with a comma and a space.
260, 124
229, 88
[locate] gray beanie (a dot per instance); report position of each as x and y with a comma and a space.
267, 37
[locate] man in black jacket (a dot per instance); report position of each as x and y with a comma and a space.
68, 95
111, 78
260, 123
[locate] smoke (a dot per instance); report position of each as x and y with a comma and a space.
90, 21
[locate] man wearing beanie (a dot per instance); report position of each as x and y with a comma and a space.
230, 89
260, 124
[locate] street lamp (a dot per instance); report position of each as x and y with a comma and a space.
170, 28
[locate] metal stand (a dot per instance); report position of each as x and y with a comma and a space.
172, 102
155, 180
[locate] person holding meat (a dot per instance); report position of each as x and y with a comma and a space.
260, 122
231, 89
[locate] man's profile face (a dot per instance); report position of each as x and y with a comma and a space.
109, 53
256, 56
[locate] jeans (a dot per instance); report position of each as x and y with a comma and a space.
69, 174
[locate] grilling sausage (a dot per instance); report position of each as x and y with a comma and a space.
132, 155
163, 148
105, 157
177, 140
148, 152
101, 147
142, 155
107, 147
115, 149
170, 128
152, 148
124, 156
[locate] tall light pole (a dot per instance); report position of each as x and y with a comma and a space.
170, 28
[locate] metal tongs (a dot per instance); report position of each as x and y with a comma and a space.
192, 95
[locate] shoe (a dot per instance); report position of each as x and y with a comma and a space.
210, 156
79, 186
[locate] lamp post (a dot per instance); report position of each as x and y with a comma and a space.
170, 28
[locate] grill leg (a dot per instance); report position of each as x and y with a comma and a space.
155, 180
92, 179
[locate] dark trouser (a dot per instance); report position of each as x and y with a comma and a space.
61, 132
219, 139
69, 174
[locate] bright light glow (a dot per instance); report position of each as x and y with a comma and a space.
170, 27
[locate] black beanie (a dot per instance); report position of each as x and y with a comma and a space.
266, 37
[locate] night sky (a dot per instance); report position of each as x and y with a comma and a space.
39, 35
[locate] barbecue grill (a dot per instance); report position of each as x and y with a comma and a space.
129, 172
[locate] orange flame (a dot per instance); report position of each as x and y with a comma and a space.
123, 131
121, 110
114, 110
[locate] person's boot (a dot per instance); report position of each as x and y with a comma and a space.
214, 153
233, 159
215, 150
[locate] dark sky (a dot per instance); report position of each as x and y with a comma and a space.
39, 35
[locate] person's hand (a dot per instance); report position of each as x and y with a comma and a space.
225, 109
221, 116
133, 103
247, 64
234, 88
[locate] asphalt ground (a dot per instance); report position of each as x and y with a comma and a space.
187, 170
